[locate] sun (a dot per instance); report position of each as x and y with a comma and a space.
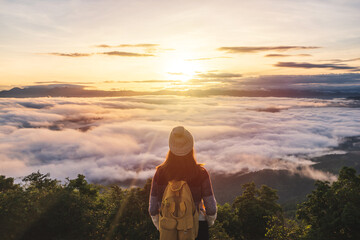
181, 69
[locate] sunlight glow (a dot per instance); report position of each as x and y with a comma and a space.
181, 70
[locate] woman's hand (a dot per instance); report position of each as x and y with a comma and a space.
155, 220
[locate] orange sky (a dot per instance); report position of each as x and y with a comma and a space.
151, 45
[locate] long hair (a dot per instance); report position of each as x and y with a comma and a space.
180, 167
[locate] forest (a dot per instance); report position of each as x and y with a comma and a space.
44, 208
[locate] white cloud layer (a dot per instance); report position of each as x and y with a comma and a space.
117, 139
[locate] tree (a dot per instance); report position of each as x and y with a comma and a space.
12, 206
43, 208
224, 223
40, 181
69, 211
7, 184
246, 218
285, 229
130, 218
333, 210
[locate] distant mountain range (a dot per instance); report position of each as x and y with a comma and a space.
61, 91
71, 90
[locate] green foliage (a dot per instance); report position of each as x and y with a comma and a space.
217, 232
285, 229
333, 210
224, 223
252, 208
40, 181
7, 184
43, 208
130, 218
246, 217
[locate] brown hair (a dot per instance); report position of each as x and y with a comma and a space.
180, 167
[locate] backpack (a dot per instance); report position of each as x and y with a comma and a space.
179, 218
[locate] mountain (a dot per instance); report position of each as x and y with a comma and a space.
72, 90
291, 188
350, 158
61, 90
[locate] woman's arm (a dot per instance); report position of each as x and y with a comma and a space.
154, 202
209, 200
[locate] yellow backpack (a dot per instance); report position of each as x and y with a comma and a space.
179, 218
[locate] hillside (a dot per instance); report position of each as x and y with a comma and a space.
291, 188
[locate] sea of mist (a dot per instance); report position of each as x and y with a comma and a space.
119, 139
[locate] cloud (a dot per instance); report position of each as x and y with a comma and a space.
287, 55
156, 81
35, 105
127, 54
342, 60
56, 85
60, 82
313, 65
262, 49
104, 46
144, 45
139, 45
324, 85
71, 54
144, 81
148, 47
218, 75
203, 59
269, 109
199, 59
117, 139
175, 73
278, 55
303, 55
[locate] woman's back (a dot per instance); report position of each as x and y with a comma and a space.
180, 164
200, 187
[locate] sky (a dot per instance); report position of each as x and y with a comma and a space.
119, 139
154, 45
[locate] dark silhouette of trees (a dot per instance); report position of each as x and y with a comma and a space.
247, 217
285, 229
44, 208
333, 210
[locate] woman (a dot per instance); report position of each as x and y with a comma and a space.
180, 164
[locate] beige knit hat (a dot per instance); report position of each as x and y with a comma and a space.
181, 141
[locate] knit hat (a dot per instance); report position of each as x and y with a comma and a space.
181, 141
